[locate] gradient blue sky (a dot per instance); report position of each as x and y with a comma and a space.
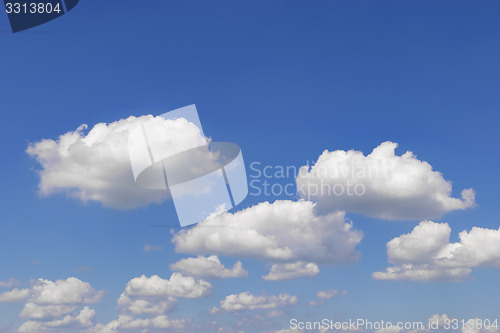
285, 80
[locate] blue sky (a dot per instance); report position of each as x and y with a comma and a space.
285, 80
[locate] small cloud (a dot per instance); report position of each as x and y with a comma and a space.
247, 301
292, 271
324, 295
213, 310
177, 286
209, 267
152, 248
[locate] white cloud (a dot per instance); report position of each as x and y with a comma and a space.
213, 310
329, 294
424, 242
291, 271
35, 311
15, 295
423, 272
247, 301
324, 295
86, 316
56, 304
177, 286
381, 184
284, 231
95, 166
439, 320
426, 254
69, 291
127, 323
208, 267
42, 291
30, 327
145, 301
479, 247
84, 319
147, 305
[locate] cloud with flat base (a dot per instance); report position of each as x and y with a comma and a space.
381, 184
426, 254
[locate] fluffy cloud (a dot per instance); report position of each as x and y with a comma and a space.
55, 304
426, 254
439, 320
147, 305
69, 291
177, 286
247, 301
291, 271
84, 319
284, 231
35, 311
95, 166
324, 295
46, 292
86, 316
208, 267
128, 323
15, 295
424, 242
381, 184
145, 302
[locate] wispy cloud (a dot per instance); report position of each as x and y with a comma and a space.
152, 248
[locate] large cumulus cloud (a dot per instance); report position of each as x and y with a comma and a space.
380, 184
283, 231
95, 165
